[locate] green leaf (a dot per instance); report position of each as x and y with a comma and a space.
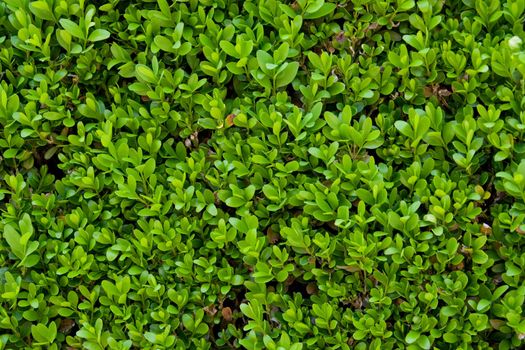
325, 10
271, 192
366, 94
417, 22
251, 310
99, 35
316, 152
405, 5
42, 10
39, 332
145, 73
281, 53
412, 336
188, 322
43, 334
229, 48
14, 240
263, 59
512, 270
450, 338
202, 329
163, 43
52, 333
164, 8
72, 28
448, 311
286, 75
479, 257
404, 128
424, 342
235, 202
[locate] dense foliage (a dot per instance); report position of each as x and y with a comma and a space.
219, 174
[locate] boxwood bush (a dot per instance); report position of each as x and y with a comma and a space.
262, 174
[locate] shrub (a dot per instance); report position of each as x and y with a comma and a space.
316, 174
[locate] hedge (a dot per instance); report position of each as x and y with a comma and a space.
262, 174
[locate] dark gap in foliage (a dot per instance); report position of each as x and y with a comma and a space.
233, 303
295, 285
205, 135
295, 96
51, 163
231, 306
372, 153
356, 303
68, 326
341, 22
231, 94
